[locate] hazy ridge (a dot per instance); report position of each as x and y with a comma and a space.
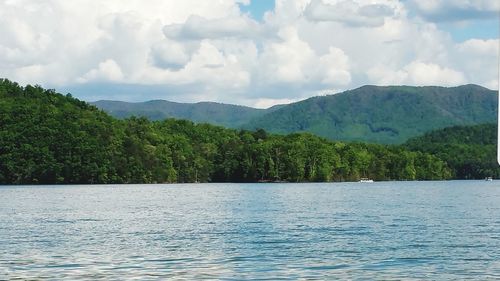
380, 114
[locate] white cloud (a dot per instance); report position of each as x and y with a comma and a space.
289, 66
107, 70
417, 73
25, 74
350, 13
480, 59
201, 28
209, 69
286, 12
481, 47
267, 103
334, 67
169, 54
420, 73
286, 61
383, 75
195, 50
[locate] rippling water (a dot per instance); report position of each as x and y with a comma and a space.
394, 230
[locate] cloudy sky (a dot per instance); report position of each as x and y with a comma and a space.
250, 52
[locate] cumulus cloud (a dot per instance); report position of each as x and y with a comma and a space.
107, 70
417, 73
481, 47
420, 73
286, 61
194, 50
349, 13
267, 103
209, 70
295, 67
334, 68
169, 54
197, 27
480, 58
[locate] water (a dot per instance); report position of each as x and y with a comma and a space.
382, 231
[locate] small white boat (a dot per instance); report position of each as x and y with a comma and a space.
365, 180
488, 179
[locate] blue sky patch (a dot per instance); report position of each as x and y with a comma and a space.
258, 8
481, 29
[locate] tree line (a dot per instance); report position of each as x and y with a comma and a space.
49, 138
469, 151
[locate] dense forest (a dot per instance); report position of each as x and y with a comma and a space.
470, 151
46, 137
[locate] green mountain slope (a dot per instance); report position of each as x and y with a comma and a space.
470, 151
46, 137
388, 115
49, 138
231, 116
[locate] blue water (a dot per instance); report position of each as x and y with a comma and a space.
365, 231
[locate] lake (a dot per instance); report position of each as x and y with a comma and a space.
390, 230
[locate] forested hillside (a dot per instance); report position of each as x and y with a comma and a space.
470, 151
389, 115
47, 138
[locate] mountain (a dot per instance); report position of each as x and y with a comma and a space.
48, 138
389, 115
231, 116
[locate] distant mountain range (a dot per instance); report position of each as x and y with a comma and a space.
227, 115
390, 114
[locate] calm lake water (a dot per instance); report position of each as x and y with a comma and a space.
383, 231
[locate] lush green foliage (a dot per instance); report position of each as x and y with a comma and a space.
49, 138
389, 115
470, 151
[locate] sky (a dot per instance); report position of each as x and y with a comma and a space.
250, 52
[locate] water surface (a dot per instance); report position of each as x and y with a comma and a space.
383, 231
